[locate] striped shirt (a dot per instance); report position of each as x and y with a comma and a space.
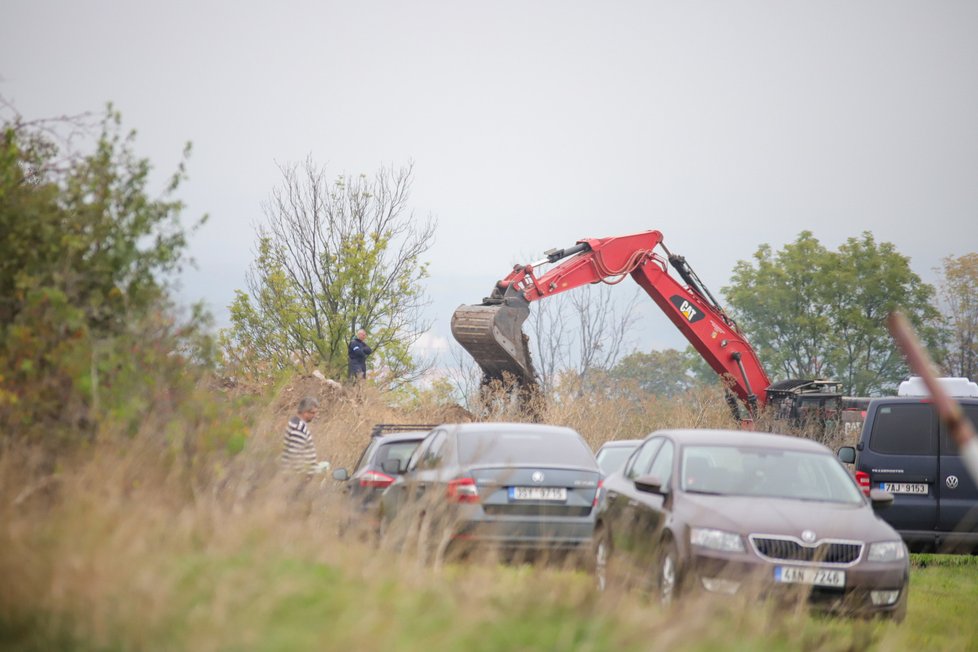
298, 452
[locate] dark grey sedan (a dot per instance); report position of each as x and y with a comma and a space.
741, 513
511, 486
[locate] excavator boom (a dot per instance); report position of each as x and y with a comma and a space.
492, 331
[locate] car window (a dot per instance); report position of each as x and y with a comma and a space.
366, 455
399, 450
904, 429
611, 458
421, 450
524, 447
662, 465
639, 462
948, 445
771, 473
434, 453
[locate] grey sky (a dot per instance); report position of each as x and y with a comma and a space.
532, 124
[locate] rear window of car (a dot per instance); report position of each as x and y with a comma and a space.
516, 447
400, 451
904, 429
612, 458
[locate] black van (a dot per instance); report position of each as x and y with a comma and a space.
905, 450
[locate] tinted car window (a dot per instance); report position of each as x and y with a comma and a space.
563, 448
948, 445
366, 454
639, 463
662, 465
611, 458
908, 429
433, 454
400, 451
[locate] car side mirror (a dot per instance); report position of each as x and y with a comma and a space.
341, 474
650, 484
880, 499
847, 454
391, 466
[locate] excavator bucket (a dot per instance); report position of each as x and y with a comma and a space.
492, 333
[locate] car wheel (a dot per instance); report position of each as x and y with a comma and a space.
669, 574
601, 555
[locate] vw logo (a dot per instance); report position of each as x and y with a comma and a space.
808, 536
951, 482
537, 477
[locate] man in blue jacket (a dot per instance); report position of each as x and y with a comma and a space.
358, 352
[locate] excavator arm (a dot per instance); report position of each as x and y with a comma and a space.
492, 331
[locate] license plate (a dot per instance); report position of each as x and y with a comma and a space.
904, 487
538, 493
813, 576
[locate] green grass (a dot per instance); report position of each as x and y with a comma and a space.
264, 601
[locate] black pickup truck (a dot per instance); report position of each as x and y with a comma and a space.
904, 449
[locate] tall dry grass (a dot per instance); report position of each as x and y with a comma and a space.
123, 546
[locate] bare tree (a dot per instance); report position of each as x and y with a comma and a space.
335, 256
602, 328
580, 332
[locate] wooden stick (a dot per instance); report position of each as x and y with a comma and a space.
948, 409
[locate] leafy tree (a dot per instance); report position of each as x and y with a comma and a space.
663, 373
82, 261
332, 258
869, 281
811, 312
958, 291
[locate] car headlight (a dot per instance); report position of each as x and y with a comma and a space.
887, 551
716, 539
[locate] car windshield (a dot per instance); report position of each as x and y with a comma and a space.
612, 458
559, 448
767, 472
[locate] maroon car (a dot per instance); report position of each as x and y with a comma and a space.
743, 513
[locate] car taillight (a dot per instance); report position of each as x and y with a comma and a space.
463, 490
375, 480
597, 494
862, 479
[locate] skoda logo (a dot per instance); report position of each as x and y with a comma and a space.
808, 536
951, 482
537, 477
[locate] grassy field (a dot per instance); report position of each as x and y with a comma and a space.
118, 551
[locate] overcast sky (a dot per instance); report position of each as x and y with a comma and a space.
532, 124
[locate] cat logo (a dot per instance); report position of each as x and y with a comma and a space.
688, 310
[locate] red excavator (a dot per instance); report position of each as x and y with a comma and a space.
492, 331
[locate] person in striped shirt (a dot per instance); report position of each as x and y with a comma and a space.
298, 451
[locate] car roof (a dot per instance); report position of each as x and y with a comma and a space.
500, 427
719, 437
621, 443
963, 400
393, 438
